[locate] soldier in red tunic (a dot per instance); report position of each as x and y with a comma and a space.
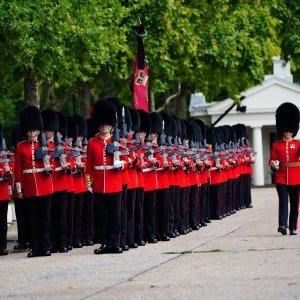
59, 180
5, 176
103, 173
33, 180
79, 128
285, 159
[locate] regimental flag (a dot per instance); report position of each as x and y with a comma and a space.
141, 77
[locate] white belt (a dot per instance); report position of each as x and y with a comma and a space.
102, 168
34, 170
58, 169
147, 169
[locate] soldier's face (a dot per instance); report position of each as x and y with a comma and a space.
153, 137
104, 129
32, 134
49, 134
142, 135
287, 135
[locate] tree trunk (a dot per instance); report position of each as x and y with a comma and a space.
152, 101
31, 89
181, 100
84, 96
45, 94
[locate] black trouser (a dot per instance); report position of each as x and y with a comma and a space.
193, 197
109, 214
78, 199
176, 208
208, 204
202, 208
58, 220
187, 206
242, 190
69, 217
149, 214
182, 208
248, 200
124, 215
228, 200
238, 193
3, 224
87, 217
223, 197
198, 205
215, 195
171, 208
138, 215
284, 192
40, 223
162, 212
22, 215
131, 195
234, 194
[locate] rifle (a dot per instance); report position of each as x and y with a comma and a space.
7, 170
162, 143
42, 153
59, 152
78, 156
114, 147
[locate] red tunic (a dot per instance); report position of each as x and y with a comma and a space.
104, 181
138, 166
286, 152
162, 174
132, 174
4, 195
33, 184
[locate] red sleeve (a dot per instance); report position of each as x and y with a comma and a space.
89, 159
18, 165
273, 154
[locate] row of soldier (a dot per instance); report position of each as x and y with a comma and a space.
141, 178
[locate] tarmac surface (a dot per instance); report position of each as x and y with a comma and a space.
241, 256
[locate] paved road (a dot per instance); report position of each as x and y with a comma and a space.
241, 256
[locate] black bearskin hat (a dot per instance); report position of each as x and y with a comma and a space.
145, 125
119, 107
30, 119
197, 129
62, 124
183, 130
50, 120
173, 127
72, 128
135, 120
190, 131
287, 118
92, 129
211, 137
202, 126
156, 122
16, 135
178, 126
167, 123
104, 113
81, 125
128, 119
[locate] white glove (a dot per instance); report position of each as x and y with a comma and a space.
118, 164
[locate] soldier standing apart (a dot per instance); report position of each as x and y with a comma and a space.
33, 180
102, 173
285, 160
